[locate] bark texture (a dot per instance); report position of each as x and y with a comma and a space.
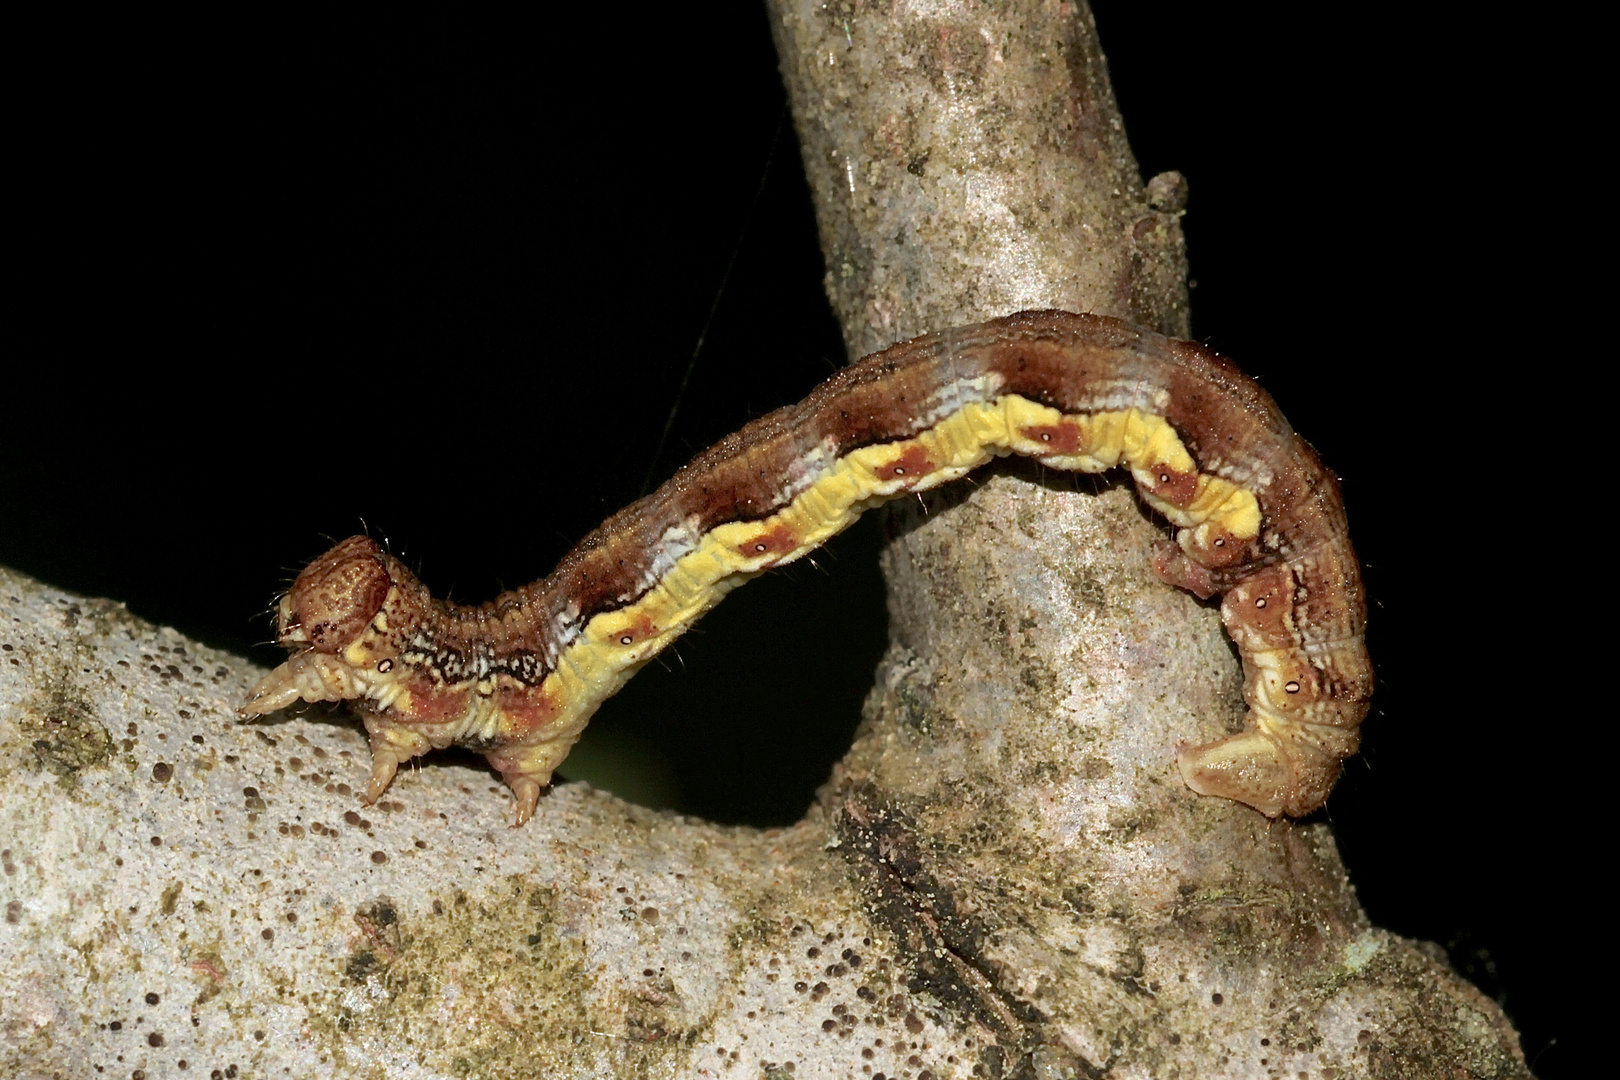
1004, 878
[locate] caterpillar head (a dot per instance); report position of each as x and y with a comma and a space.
335, 598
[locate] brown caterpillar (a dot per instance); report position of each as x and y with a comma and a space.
1260, 521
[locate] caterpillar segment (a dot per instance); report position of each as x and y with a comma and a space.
1259, 522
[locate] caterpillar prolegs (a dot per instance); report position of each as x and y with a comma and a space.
1259, 519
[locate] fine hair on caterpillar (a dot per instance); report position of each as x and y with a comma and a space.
1259, 523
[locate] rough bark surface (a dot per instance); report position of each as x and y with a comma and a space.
1004, 877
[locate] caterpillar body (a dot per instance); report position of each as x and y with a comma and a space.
1260, 522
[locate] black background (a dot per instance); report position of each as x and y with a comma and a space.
275, 281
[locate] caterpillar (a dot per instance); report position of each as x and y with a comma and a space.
1259, 522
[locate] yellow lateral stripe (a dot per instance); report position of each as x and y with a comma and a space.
1159, 445
971, 436
865, 463
600, 660
820, 506
1105, 436
972, 430
842, 486
1238, 514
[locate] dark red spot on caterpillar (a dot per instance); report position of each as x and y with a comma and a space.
1061, 438
639, 630
779, 540
912, 464
1217, 549
1176, 488
1259, 613
530, 708
428, 705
